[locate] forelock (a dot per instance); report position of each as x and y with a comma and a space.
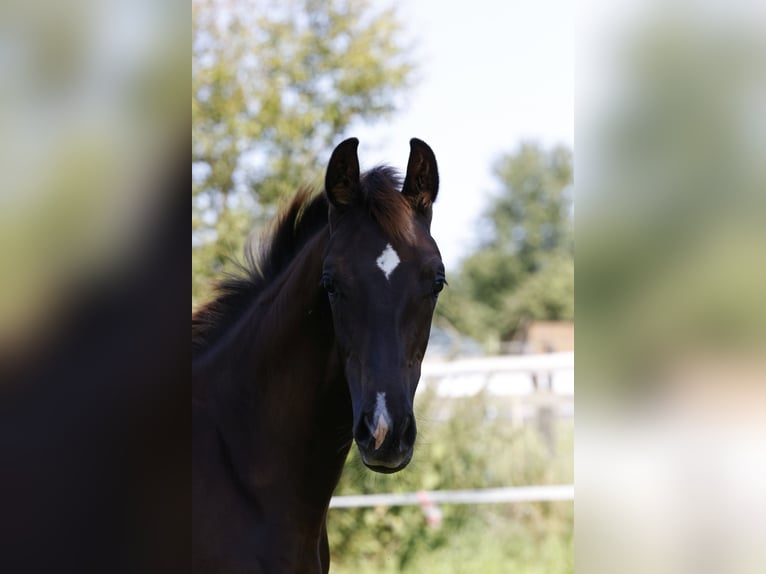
381, 194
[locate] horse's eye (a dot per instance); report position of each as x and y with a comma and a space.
329, 285
439, 285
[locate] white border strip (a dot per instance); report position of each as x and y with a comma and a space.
547, 493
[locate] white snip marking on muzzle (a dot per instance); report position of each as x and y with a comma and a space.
382, 418
388, 260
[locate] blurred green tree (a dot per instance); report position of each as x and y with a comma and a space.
524, 266
274, 85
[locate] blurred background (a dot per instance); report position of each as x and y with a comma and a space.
94, 440
671, 275
275, 86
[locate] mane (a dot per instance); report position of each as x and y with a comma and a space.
304, 216
294, 226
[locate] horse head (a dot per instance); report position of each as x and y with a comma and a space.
382, 272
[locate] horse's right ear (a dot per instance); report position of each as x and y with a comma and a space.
341, 182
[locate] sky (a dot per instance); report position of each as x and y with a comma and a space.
492, 74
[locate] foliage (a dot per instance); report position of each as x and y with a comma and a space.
546, 294
532, 216
274, 86
468, 448
524, 266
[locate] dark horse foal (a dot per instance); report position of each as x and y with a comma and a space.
321, 343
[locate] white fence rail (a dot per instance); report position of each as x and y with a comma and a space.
549, 493
546, 362
510, 375
519, 385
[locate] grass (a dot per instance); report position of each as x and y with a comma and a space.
492, 542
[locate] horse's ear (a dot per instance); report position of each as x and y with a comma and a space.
341, 182
421, 184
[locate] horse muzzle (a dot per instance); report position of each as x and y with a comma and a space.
385, 443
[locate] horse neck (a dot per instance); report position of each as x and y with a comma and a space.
282, 406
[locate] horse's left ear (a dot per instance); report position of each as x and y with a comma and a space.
421, 184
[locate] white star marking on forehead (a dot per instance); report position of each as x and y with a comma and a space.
388, 260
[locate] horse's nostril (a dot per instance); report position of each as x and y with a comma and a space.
409, 430
363, 432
